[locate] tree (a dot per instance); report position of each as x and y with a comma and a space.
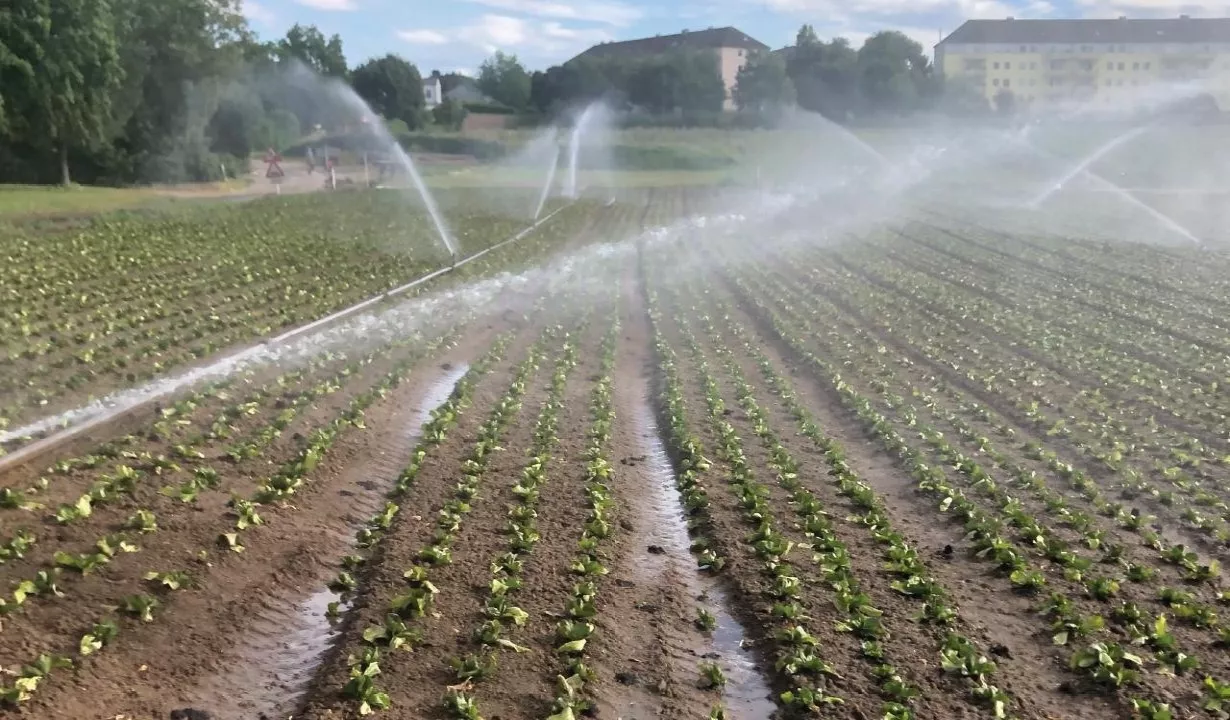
308, 45
178, 56
449, 114
762, 84
71, 46
392, 87
824, 75
504, 79
1005, 102
894, 74
677, 82
962, 96
235, 127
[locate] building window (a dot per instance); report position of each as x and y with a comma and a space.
1146, 66
1007, 66
995, 65
1110, 66
1007, 82
1022, 48
1033, 48
1120, 66
995, 82
1135, 66
1033, 66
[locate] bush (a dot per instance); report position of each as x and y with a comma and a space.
453, 145
397, 127
742, 120
665, 157
489, 108
449, 114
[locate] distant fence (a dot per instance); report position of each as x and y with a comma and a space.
485, 121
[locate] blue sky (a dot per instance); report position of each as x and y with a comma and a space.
453, 35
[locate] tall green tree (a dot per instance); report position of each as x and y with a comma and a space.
60, 65
308, 45
179, 56
762, 84
683, 81
392, 87
894, 73
503, 78
824, 75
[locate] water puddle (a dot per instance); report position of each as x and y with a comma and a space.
271, 672
436, 396
747, 694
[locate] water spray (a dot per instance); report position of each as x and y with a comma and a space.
551, 169
1083, 166
1084, 170
574, 149
350, 97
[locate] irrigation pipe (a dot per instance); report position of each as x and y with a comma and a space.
169, 386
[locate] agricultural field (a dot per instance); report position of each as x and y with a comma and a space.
636, 464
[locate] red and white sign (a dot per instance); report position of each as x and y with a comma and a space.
274, 162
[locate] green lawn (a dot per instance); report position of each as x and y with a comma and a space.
35, 200
487, 176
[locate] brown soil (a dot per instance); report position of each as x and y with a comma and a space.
246, 640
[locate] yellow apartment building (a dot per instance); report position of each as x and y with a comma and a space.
732, 47
1038, 62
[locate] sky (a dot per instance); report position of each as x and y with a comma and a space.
457, 35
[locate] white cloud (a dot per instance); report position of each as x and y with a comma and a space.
587, 37
496, 32
609, 13
489, 33
967, 9
1151, 8
257, 13
423, 37
329, 4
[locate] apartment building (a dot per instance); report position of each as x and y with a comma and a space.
1032, 63
731, 45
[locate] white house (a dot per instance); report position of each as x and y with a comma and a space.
432, 92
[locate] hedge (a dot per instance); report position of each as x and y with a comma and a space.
622, 156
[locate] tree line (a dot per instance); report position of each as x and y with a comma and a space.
889, 74
121, 91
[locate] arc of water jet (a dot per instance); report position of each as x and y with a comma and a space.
574, 149
546, 186
432, 209
1083, 169
1083, 166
